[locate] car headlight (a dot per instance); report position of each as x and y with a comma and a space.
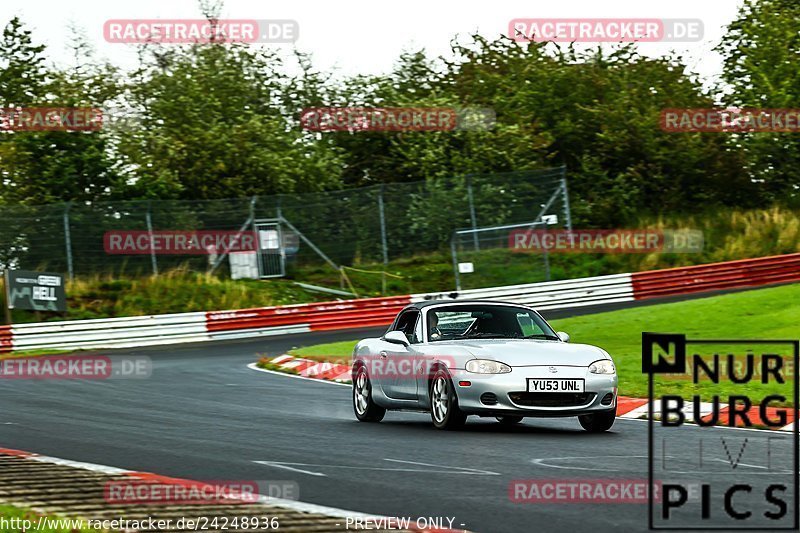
603, 366
486, 366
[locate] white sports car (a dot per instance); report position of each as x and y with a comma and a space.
492, 359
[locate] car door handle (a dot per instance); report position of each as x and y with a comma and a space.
383, 355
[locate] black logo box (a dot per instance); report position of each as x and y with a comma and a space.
677, 365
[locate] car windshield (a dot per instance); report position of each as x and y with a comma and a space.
475, 321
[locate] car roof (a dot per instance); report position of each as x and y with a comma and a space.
433, 303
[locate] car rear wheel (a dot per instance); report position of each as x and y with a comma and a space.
599, 422
445, 413
509, 420
364, 406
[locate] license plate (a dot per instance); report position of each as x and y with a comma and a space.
555, 385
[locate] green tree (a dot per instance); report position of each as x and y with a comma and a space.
212, 124
50, 166
597, 112
762, 70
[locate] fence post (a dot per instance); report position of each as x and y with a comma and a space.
68, 241
384, 246
546, 264
472, 216
260, 259
455, 262
382, 216
149, 221
565, 196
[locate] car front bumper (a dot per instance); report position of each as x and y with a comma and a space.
511, 396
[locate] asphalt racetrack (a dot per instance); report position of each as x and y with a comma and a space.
204, 415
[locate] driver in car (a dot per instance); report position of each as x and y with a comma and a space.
433, 327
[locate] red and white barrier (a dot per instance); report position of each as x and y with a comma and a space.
716, 276
305, 317
372, 312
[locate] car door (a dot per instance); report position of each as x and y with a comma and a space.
398, 363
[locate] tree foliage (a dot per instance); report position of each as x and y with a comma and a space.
222, 120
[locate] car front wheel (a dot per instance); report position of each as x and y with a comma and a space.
598, 422
364, 406
445, 413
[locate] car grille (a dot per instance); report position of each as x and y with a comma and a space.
551, 399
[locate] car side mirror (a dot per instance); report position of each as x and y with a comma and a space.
396, 337
563, 336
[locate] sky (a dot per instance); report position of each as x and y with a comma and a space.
366, 37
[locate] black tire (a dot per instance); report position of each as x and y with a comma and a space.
365, 408
445, 414
509, 420
599, 422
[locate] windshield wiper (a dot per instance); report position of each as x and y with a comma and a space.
541, 336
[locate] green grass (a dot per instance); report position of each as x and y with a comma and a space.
327, 352
770, 313
34, 353
10, 512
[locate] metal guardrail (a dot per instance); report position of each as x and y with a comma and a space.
112, 332
372, 312
552, 294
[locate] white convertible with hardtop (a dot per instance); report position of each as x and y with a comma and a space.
491, 359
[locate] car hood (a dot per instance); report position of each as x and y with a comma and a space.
532, 352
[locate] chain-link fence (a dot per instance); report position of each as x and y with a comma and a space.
356, 226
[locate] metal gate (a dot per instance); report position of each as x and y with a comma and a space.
271, 256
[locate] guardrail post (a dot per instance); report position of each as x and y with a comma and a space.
68, 241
